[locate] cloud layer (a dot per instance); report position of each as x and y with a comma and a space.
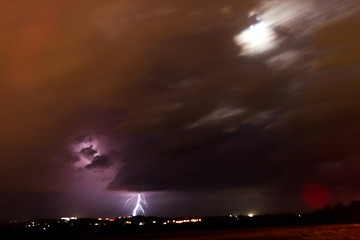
173, 105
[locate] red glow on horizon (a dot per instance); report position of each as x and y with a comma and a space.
316, 195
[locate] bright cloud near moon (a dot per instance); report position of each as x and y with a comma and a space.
256, 39
297, 18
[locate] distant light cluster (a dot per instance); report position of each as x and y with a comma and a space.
193, 220
74, 222
66, 219
102, 221
187, 220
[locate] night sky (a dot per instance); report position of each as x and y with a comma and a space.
206, 107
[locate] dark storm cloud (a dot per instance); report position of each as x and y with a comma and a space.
99, 162
218, 162
187, 111
281, 131
88, 151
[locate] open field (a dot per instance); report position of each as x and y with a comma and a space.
317, 232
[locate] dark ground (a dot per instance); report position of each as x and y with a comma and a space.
318, 232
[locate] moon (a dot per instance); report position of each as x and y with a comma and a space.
257, 39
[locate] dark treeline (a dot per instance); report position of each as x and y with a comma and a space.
340, 213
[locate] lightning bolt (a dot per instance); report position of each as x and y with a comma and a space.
140, 202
